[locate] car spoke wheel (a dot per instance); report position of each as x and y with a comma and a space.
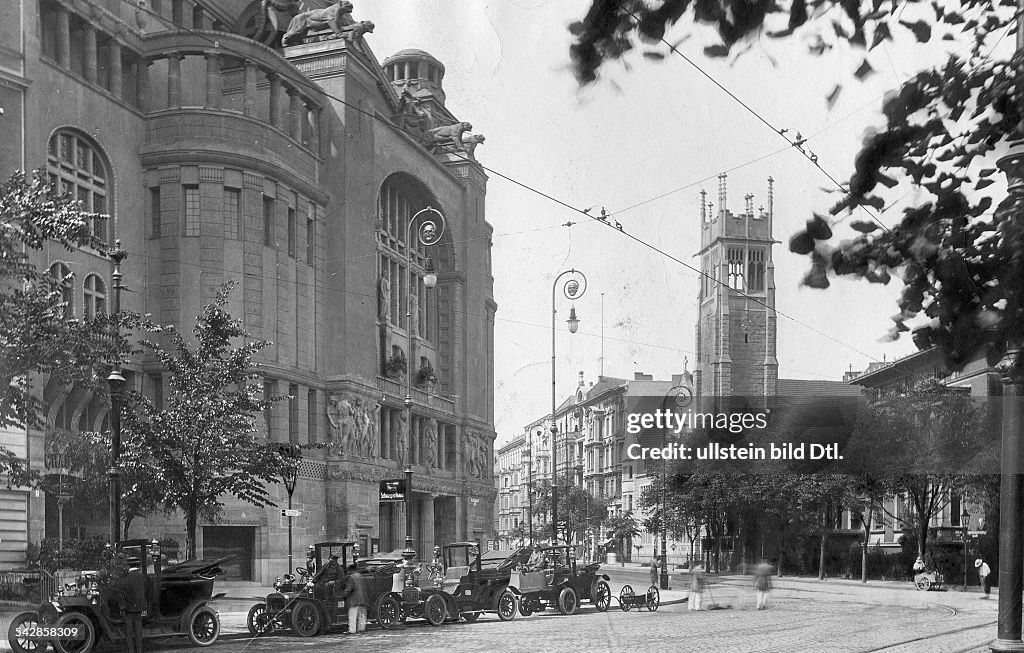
434, 610
506, 605
21, 624
470, 616
626, 598
389, 612
259, 620
653, 598
306, 619
567, 601
601, 596
83, 644
204, 627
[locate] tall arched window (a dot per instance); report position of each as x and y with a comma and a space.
95, 294
77, 168
62, 276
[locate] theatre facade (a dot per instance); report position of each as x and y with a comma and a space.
292, 169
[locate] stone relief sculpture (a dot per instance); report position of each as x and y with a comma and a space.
411, 115
354, 425
402, 439
430, 442
335, 17
266, 20
341, 415
371, 434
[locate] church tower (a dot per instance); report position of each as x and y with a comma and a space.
737, 323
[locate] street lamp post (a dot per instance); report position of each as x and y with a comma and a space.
529, 482
680, 397
428, 233
116, 383
290, 475
573, 289
965, 521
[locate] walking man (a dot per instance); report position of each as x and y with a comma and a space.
356, 601
138, 595
983, 574
763, 584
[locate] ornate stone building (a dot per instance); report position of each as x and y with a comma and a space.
293, 171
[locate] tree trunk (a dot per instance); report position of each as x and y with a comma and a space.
190, 534
922, 538
821, 555
864, 549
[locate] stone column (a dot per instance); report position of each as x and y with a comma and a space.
142, 85
427, 527
275, 100
114, 52
63, 37
294, 114
309, 124
249, 101
174, 81
442, 442
385, 433
212, 81
89, 65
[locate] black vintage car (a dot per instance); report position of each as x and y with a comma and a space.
557, 581
475, 582
91, 612
311, 605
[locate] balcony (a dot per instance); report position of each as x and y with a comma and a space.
395, 389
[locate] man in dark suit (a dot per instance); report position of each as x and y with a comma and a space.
138, 594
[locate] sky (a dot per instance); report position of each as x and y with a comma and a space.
642, 143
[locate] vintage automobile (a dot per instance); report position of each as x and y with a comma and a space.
310, 605
474, 583
90, 612
560, 583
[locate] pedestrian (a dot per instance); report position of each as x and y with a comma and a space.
654, 571
356, 601
983, 574
763, 584
138, 595
696, 587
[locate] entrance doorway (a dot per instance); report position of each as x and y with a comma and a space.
240, 541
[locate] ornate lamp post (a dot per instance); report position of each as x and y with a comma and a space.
965, 521
428, 233
678, 396
116, 382
573, 289
290, 476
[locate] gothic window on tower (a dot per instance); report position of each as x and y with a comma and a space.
737, 280
755, 270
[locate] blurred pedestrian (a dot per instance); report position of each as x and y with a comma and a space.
983, 574
696, 587
356, 600
763, 584
654, 571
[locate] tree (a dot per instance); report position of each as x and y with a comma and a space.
622, 527
38, 339
959, 260
204, 444
578, 510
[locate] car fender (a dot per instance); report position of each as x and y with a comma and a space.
604, 577
187, 614
511, 588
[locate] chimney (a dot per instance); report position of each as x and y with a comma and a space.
640, 376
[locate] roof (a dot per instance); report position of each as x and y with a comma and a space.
604, 383
815, 388
413, 53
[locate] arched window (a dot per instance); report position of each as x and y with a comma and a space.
62, 276
77, 168
95, 296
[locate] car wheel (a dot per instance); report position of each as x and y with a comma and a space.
924, 584
15, 634
626, 598
259, 621
83, 644
434, 610
306, 619
653, 598
389, 612
505, 604
601, 596
204, 627
470, 616
567, 601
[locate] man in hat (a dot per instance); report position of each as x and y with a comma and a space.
138, 595
983, 574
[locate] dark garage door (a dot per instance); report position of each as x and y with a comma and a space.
239, 541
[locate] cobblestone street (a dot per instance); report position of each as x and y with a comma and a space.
804, 615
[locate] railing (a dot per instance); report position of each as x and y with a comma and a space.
36, 586
395, 389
